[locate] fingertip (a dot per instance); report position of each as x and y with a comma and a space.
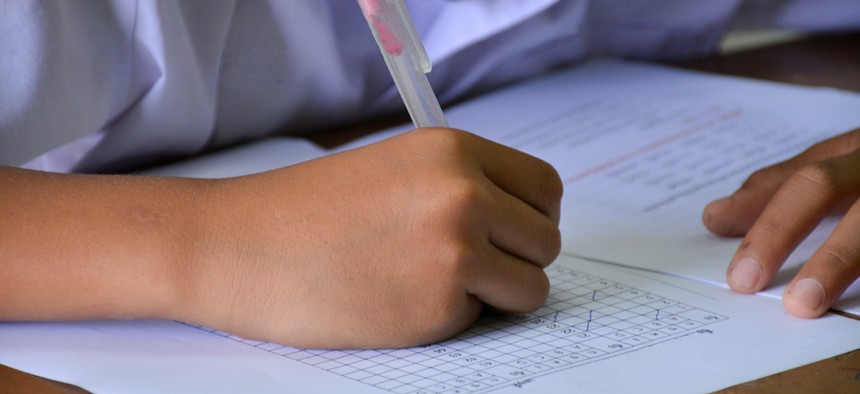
715, 219
805, 299
535, 299
744, 275
553, 248
708, 216
716, 205
541, 293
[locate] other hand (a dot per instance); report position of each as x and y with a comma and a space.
778, 206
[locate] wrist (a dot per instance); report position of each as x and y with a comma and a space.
185, 271
232, 267
158, 235
205, 262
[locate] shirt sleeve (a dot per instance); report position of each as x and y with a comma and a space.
67, 72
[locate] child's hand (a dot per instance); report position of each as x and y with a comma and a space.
779, 206
395, 244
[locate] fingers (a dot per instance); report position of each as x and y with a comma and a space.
505, 206
834, 267
528, 203
508, 283
826, 276
519, 197
793, 212
735, 214
521, 175
522, 215
524, 176
519, 229
509, 275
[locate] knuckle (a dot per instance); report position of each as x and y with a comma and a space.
464, 197
550, 183
837, 146
840, 256
538, 293
446, 138
455, 260
820, 149
552, 246
770, 227
548, 189
757, 177
819, 175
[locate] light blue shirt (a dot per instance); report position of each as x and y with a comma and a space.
117, 85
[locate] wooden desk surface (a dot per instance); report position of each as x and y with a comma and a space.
822, 61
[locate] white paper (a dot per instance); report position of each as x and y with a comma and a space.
603, 330
642, 149
643, 152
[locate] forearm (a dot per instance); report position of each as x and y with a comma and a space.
92, 247
395, 244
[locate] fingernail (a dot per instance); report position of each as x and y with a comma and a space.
745, 273
809, 292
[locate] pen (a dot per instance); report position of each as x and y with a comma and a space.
405, 57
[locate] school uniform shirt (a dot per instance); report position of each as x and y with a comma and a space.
116, 85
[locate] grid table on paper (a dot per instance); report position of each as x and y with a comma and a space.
586, 319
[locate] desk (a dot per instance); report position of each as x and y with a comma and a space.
821, 61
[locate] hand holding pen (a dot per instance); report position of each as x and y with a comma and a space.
398, 243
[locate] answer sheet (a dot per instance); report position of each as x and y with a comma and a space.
602, 330
643, 148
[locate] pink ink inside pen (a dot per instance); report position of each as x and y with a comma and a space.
373, 9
